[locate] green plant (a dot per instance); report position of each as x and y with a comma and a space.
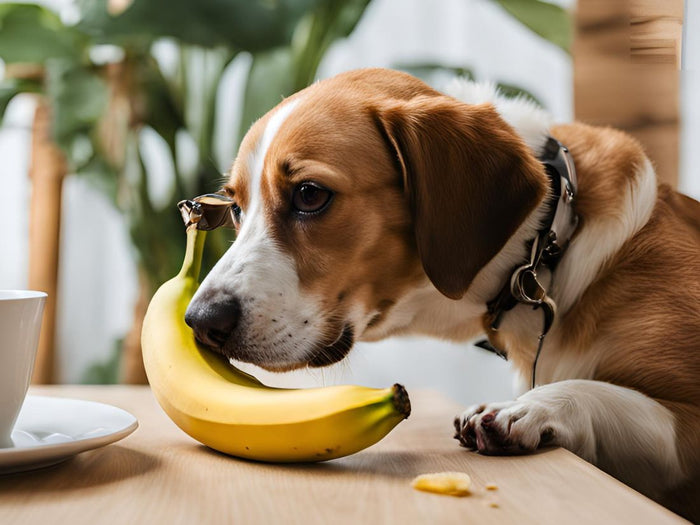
550, 21
101, 108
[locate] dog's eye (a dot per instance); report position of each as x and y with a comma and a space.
310, 197
236, 212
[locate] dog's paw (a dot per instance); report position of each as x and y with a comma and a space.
513, 427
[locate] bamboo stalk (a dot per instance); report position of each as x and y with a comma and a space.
47, 170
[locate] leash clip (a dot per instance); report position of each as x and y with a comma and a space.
526, 287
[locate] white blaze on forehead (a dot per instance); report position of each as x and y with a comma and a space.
257, 271
256, 161
253, 242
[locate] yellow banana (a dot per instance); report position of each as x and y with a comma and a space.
232, 412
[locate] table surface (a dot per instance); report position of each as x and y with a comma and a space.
160, 475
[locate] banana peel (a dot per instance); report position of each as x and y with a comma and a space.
234, 413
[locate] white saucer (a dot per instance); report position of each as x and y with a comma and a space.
52, 429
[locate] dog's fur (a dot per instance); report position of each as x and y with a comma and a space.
434, 200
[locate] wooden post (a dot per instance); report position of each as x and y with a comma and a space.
132, 369
656, 28
626, 73
47, 170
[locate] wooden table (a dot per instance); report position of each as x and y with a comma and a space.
160, 475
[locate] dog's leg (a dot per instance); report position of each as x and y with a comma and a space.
622, 431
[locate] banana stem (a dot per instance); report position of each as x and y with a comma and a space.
193, 254
400, 400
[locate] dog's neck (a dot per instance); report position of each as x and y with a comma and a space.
608, 220
424, 310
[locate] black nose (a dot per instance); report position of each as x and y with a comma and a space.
213, 322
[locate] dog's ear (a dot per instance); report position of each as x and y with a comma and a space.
471, 182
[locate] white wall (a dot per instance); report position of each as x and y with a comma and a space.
476, 34
98, 274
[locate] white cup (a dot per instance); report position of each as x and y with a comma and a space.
20, 323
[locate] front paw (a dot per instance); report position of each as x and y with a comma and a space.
513, 427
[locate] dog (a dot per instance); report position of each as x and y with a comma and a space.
370, 205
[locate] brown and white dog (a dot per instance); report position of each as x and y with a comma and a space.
370, 205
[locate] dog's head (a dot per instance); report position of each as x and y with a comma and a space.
350, 195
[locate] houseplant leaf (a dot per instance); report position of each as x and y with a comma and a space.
550, 21
78, 97
246, 24
33, 34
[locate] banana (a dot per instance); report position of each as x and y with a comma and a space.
232, 412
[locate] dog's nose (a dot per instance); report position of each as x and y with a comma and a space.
213, 322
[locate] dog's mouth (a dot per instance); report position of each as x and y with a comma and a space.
321, 355
336, 351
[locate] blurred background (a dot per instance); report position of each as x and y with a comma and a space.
114, 110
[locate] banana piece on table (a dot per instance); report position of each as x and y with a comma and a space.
232, 412
449, 483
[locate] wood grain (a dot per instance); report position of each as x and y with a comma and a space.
656, 31
626, 56
160, 475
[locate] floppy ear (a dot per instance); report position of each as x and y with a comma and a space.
470, 179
